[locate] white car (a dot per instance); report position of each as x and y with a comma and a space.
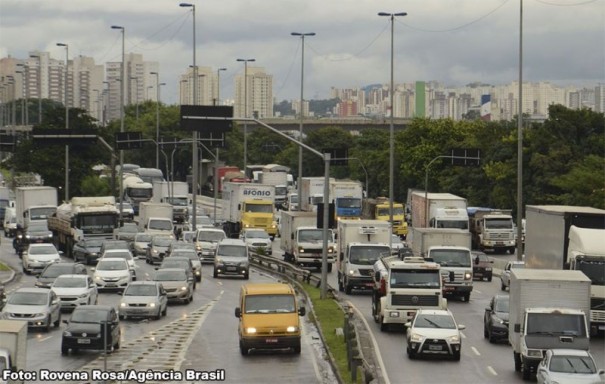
257, 240
571, 366
122, 254
206, 240
112, 274
140, 245
38, 256
75, 290
38, 306
143, 299
505, 276
434, 332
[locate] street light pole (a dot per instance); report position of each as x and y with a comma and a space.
520, 142
392, 122
122, 75
157, 119
301, 112
66, 120
194, 160
246, 61
136, 80
218, 85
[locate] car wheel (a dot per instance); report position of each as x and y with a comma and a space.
296, 349
214, 273
159, 315
243, 350
64, 350
466, 297
165, 311
48, 324
341, 286
121, 317
489, 278
456, 356
383, 326
117, 345
57, 322
485, 333
411, 354
502, 286
348, 289
491, 338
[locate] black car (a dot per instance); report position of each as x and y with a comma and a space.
35, 232
87, 327
87, 250
157, 249
495, 321
54, 270
482, 266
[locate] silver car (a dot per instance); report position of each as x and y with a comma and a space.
257, 240
571, 366
195, 260
178, 285
143, 299
38, 256
206, 240
434, 332
40, 307
140, 244
75, 290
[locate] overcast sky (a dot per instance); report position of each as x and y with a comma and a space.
452, 41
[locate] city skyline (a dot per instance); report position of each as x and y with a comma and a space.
469, 42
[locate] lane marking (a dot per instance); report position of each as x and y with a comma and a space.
492, 370
44, 339
462, 335
476, 351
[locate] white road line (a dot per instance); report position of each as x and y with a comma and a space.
476, 351
492, 370
44, 339
462, 335
374, 343
477, 291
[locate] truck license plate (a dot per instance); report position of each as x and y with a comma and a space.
83, 341
270, 341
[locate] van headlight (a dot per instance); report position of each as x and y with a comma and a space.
250, 330
152, 305
123, 305
468, 275
292, 329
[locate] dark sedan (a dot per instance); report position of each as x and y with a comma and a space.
87, 251
482, 266
87, 327
495, 321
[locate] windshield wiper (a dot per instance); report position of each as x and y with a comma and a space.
433, 323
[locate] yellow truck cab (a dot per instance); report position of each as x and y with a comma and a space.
268, 317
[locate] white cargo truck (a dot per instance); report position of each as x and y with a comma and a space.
312, 191
548, 309
248, 205
444, 210
35, 203
276, 175
402, 287
570, 237
13, 346
175, 193
302, 241
451, 248
156, 218
360, 244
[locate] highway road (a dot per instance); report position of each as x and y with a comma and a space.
199, 336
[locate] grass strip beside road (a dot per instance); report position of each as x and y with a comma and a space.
4, 267
329, 316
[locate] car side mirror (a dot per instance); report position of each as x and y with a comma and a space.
302, 311
461, 327
65, 322
238, 312
92, 286
119, 293
601, 372
488, 309
408, 324
476, 260
93, 269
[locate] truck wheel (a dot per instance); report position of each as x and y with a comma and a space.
525, 371
214, 274
243, 350
383, 326
329, 268
517, 358
502, 286
341, 286
489, 278
348, 289
296, 349
466, 297
511, 250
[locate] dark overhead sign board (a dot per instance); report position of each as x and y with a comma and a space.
129, 140
64, 136
207, 119
7, 143
338, 156
466, 156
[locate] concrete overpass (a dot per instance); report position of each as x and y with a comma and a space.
349, 124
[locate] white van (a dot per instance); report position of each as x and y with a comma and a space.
10, 222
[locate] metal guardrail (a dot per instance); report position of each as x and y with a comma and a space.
355, 358
286, 268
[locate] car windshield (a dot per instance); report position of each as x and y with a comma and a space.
232, 250
501, 305
129, 229
162, 241
572, 364
172, 263
415, 278
141, 290
367, 255
42, 250
55, 270
451, 257
69, 282
93, 243
269, 304
142, 238
170, 275
118, 255
111, 265
88, 315
28, 298
257, 235
434, 321
191, 255
210, 236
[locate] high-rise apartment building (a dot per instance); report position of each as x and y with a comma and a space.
259, 94
206, 87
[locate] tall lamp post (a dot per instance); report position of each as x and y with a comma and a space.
520, 141
246, 61
218, 85
66, 120
301, 112
122, 75
392, 122
194, 160
136, 81
157, 119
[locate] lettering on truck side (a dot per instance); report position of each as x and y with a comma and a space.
254, 192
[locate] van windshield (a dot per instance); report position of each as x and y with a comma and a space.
556, 324
269, 304
451, 257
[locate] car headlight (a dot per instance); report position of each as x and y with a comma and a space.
301, 250
416, 338
251, 330
98, 278
292, 329
184, 288
83, 296
219, 260
498, 320
454, 339
123, 305
27, 236
155, 251
67, 334
152, 305
352, 272
534, 353
468, 275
